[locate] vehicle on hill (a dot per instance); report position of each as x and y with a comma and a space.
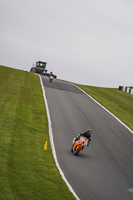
40, 68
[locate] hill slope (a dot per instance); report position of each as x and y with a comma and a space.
26, 170
116, 101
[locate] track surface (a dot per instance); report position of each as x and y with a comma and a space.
104, 170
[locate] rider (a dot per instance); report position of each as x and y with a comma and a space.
86, 134
51, 74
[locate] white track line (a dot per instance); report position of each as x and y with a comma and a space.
105, 109
52, 142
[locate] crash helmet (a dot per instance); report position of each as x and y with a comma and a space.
88, 133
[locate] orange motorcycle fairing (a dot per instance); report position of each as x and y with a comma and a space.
80, 145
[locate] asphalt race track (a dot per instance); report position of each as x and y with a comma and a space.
104, 170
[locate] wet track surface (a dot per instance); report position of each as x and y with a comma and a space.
104, 170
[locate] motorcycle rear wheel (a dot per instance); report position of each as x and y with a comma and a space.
77, 150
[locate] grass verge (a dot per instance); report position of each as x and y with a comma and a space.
117, 102
27, 172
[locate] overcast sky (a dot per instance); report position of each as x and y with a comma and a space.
83, 41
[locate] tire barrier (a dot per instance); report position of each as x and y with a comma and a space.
127, 89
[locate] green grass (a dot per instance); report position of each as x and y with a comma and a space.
116, 101
27, 171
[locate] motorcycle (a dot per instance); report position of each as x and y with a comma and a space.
51, 78
79, 145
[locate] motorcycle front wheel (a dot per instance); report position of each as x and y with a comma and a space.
77, 150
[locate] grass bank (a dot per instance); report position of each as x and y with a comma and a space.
118, 102
26, 170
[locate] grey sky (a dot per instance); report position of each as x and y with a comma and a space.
83, 41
